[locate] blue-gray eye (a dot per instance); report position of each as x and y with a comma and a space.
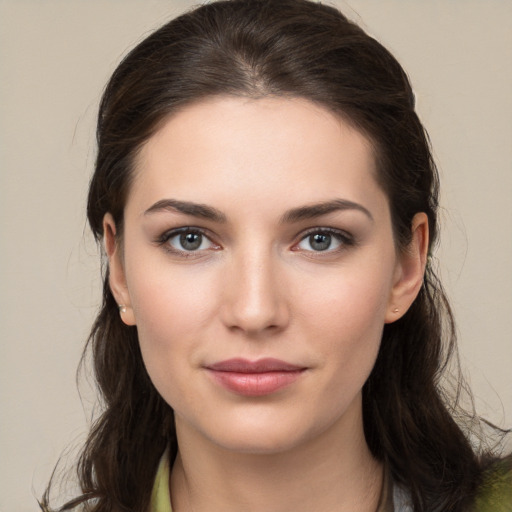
320, 241
189, 241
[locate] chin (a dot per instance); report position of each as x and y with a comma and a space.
257, 436
261, 443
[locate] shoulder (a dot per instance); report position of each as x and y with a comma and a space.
495, 491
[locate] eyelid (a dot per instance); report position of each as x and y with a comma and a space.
345, 238
177, 231
170, 233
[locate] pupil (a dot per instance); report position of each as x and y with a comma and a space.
320, 242
190, 241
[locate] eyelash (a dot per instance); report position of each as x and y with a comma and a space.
168, 235
346, 240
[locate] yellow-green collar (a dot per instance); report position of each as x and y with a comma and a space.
160, 497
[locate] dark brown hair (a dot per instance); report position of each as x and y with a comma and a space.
284, 48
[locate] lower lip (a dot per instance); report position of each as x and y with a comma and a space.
255, 384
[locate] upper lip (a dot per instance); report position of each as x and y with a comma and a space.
239, 365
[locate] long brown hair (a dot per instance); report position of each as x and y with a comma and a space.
286, 48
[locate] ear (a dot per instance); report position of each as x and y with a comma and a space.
409, 271
117, 278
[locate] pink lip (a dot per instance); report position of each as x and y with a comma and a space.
254, 378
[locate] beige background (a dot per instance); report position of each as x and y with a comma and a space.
55, 57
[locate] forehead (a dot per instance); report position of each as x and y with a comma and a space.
271, 149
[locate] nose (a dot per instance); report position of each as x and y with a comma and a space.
254, 296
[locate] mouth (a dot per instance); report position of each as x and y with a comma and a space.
254, 378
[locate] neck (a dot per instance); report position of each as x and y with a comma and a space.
333, 472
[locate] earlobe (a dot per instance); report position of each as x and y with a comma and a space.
117, 278
410, 270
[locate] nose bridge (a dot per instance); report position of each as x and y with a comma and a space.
254, 301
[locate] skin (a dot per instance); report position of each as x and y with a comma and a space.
258, 287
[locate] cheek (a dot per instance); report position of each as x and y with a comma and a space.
172, 307
353, 301
164, 293
345, 315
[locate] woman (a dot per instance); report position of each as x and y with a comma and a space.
272, 333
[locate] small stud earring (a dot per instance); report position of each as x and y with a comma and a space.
395, 310
122, 308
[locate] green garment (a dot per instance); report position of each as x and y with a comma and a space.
160, 497
495, 494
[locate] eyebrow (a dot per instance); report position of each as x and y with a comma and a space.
291, 216
189, 208
324, 208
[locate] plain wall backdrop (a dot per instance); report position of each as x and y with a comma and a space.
55, 57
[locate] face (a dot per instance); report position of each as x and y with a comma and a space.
259, 266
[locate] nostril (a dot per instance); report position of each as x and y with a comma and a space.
269, 317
